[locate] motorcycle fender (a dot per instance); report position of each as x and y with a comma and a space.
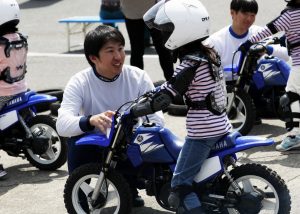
209, 168
94, 139
8, 119
20, 103
41, 98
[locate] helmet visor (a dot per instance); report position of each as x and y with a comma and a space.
149, 16
161, 21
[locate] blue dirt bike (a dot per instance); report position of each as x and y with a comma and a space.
29, 135
258, 79
222, 185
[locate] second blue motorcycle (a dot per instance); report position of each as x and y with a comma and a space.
26, 134
255, 86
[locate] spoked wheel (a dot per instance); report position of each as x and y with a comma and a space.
49, 150
263, 191
114, 197
242, 113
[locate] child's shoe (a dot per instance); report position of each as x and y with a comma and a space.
290, 142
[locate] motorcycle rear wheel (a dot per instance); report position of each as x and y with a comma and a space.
80, 186
243, 113
259, 178
56, 154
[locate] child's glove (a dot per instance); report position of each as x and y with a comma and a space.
282, 41
244, 48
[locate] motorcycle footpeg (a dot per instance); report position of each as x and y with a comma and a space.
174, 200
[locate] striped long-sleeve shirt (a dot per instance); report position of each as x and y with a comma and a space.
289, 22
201, 123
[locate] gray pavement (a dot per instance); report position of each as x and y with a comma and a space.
30, 191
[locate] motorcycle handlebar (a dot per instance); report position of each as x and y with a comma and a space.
258, 48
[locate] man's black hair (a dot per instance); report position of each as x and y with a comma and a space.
97, 38
250, 6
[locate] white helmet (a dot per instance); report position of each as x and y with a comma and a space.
9, 11
184, 20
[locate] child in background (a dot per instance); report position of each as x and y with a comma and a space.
13, 53
289, 22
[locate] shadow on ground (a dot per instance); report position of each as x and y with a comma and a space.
268, 154
148, 210
37, 3
271, 131
27, 174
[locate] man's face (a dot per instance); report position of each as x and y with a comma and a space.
242, 20
110, 59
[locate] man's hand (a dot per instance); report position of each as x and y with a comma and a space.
102, 121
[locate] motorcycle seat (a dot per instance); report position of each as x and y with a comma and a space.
228, 141
174, 144
18, 100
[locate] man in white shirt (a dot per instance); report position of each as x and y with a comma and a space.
227, 40
92, 95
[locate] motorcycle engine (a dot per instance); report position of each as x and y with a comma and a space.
40, 143
250, 202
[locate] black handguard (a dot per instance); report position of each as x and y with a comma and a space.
160, 101
163, 98
183, 79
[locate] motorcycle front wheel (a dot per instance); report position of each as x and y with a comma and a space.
242, 113
114, 197
56, 152
258, 179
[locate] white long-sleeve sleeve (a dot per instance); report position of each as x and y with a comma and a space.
69, 113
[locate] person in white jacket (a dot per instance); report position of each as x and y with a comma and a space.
92, 95
227, 40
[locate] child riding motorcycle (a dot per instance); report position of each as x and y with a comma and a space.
13, 53
198, 78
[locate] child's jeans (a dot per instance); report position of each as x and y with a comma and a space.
191, 157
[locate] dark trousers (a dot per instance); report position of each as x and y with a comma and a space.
80, 155
136, 29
